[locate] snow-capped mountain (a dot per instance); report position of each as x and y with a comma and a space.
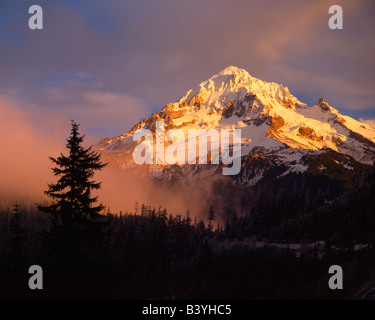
278, 131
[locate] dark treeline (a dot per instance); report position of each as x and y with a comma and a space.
152, 254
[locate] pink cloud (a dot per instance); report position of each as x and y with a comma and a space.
25, 167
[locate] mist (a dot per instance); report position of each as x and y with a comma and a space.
121, 189
29, 138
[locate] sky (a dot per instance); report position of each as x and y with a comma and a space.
109, 64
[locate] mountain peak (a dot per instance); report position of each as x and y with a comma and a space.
323, 101
324, 105
234, 84
241, 78
233, 70
272, 121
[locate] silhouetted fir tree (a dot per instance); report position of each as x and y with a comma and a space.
15, 226
211, 217
76, 220
201, 229
163, 216
211, 214
73, 190
144, 210
188, 219
136, 207
17, 238
152, 214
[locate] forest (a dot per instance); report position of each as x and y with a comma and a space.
280, 247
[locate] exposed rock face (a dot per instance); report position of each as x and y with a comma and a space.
229, 110
323, 105
309, 133
276, 123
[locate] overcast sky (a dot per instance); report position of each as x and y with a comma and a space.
109, 63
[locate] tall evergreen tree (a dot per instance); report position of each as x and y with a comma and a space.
15, 223
211, 215
72, 193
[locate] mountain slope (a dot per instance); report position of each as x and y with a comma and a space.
277, 129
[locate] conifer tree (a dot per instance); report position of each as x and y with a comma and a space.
211, 216
72, 193
15, 223
18, 237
